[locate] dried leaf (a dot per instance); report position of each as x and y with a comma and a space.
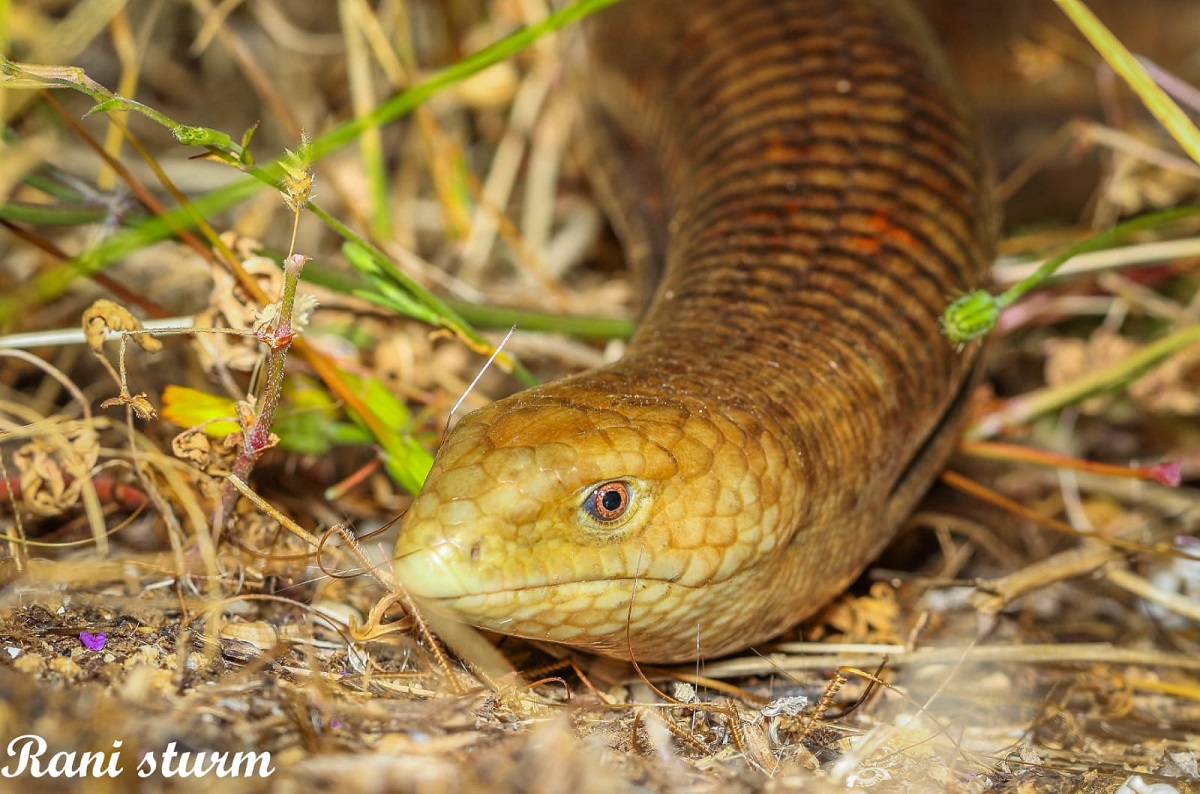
50, 474
138, 402
104, 316
192, 447
230, 307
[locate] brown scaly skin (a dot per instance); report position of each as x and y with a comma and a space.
788, 397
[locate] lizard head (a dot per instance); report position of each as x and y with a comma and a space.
599, 518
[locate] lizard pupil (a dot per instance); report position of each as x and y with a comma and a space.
608, 502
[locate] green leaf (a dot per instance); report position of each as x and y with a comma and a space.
108, 105
405, 460
203, 136
386, 291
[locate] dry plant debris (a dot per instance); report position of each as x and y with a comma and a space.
195, 565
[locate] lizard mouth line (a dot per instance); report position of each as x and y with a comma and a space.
427, 576
619, 581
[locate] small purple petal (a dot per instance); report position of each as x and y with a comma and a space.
93, 642
334, 724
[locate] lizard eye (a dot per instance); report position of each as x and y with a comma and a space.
608, 502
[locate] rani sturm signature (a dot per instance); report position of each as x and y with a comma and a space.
29, 755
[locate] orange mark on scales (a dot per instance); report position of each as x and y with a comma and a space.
883, 230
779, 149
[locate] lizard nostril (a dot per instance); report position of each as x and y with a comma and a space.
475, 550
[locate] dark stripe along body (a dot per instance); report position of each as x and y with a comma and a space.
813, 186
